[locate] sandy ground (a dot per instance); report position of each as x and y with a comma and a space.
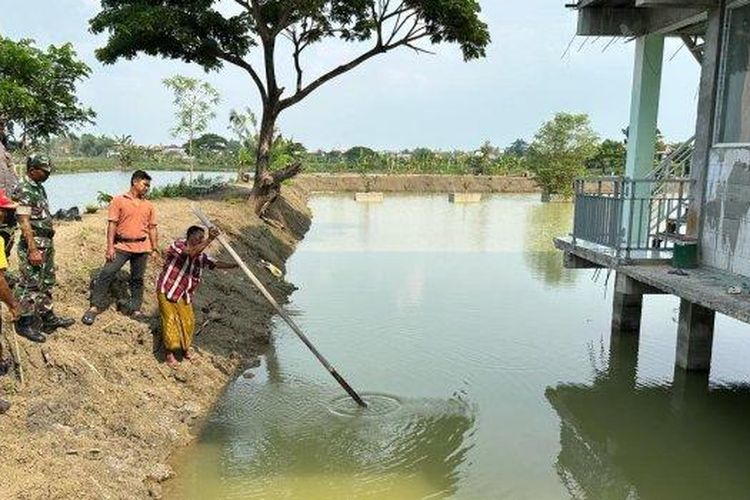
100, 413
417, 183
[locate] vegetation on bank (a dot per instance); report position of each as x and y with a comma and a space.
199, 186
212, 152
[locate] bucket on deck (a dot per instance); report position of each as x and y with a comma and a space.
685, 255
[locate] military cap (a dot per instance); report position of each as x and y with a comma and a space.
38, 160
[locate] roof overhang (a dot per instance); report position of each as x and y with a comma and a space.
629, 18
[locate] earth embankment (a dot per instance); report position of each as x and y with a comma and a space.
416, 183
100, 413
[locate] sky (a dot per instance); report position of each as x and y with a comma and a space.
401, 100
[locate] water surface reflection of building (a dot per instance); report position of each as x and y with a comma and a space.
619, 440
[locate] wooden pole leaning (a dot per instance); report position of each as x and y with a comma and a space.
284, 315
12, 338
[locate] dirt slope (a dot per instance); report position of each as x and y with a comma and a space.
417, 183
100, 413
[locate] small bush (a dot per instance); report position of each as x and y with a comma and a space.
91, 209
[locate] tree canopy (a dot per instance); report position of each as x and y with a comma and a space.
209, 143
609, 158
194, 102
38, 90
201, 32
560, 150
518, 148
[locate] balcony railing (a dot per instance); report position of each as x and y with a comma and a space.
631, 214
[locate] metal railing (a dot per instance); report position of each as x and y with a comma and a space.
675, 164
631, 214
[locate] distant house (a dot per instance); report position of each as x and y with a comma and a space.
173, 150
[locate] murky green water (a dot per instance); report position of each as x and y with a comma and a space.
488, 367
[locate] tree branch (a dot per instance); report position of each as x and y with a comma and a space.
340, 70
298, 48
238, 61
400, 23
416, 32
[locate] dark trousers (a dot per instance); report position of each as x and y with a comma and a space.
100, 289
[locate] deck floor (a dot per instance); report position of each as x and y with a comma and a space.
704, 286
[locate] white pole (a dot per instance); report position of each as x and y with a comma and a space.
285, 316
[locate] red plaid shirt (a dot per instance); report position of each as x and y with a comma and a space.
181, 273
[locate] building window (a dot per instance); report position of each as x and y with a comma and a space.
734, 124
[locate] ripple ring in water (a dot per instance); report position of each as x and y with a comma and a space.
378, 405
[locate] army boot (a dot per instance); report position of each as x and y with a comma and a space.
25, 328
51, 322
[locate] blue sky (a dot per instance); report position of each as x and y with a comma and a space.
402, 100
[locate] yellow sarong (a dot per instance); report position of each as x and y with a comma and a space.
177, 323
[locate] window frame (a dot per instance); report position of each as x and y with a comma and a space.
719, 116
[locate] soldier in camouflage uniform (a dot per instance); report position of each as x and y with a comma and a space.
36, 253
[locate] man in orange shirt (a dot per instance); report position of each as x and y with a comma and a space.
131, 237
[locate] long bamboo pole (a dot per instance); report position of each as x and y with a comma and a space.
12, 338
284, 315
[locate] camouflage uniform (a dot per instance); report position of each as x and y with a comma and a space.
34, 288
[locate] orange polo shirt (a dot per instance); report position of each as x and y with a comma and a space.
134, 217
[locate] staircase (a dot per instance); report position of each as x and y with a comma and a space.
669, 200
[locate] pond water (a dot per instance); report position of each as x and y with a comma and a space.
68, 190
487, 366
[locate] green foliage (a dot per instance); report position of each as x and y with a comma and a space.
285, 151
481, 162
91, 209
91, 145
209, 143
509, 164
37, 90
103, 198
200, 186
609, 158
197, 31
127, 152
359, 154
194, 102
418, 161
560, 151
244, 126
518, 148
200, 31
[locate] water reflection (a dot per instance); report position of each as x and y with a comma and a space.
544, 222
67, 190
267, 440
681, 440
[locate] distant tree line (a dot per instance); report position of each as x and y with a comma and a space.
584, 154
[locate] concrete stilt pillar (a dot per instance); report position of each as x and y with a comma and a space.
695, 335
689, 389
644, 112
623, 358
627, 306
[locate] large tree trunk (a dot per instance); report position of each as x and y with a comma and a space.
265, 141
267, 184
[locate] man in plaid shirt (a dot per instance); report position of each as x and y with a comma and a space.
180, 277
